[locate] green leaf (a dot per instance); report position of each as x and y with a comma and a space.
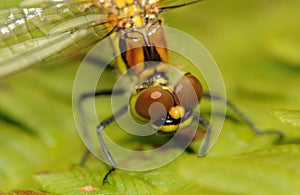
286, 51
254, 44
269, 171
288, 116
76, 180
120, 182
37, 129
22, 192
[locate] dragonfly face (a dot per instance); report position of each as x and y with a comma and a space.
168, 108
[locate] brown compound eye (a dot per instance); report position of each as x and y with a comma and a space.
154, 103
188, 91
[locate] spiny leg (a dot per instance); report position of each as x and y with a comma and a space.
205, 144
100, 129
243, 116
84, 157
83, 118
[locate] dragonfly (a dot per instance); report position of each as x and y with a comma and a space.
37, 31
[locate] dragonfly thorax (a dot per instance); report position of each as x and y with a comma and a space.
143, 49
131, 13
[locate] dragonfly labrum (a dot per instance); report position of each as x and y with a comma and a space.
45, 30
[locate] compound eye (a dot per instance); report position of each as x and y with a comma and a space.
154, 103
188, 91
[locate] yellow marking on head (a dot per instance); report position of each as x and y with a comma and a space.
169, 128
177, 112
175, 127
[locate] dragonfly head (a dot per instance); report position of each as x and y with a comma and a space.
166, 108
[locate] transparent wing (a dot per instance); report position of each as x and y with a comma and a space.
39, 29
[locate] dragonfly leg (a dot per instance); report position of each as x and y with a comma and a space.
243, 116
100, 127
205, 144
84, 157
83, 118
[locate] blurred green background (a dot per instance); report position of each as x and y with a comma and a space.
256, 44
